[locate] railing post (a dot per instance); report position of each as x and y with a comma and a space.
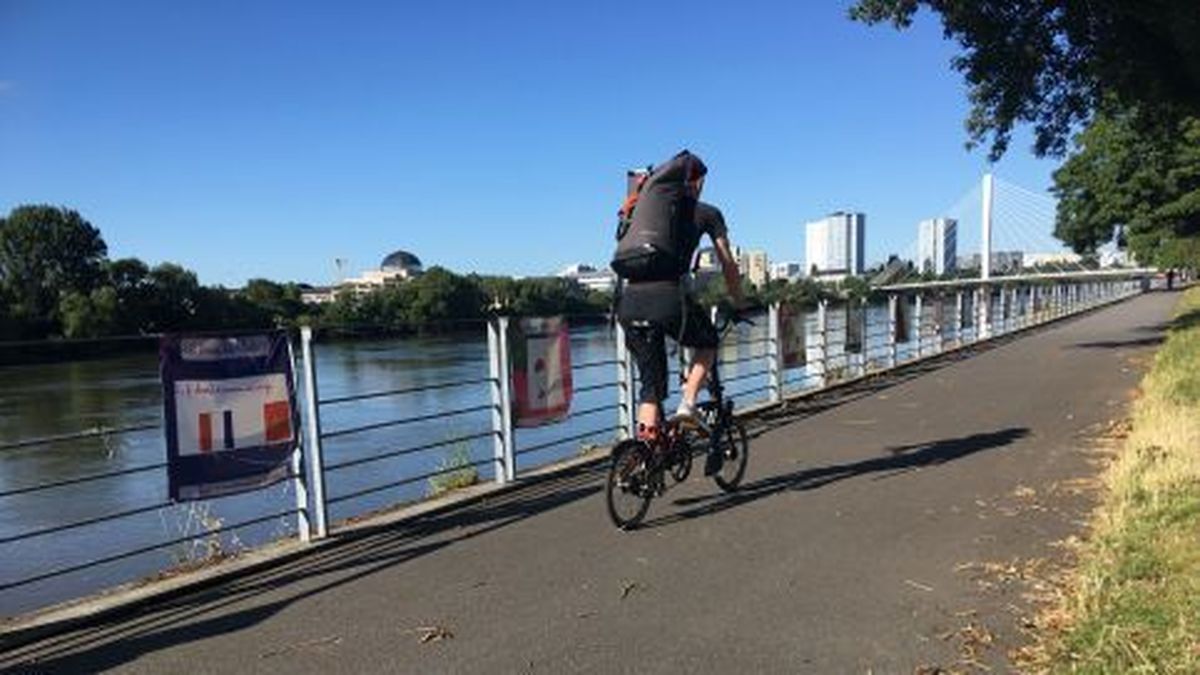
501, 399
626, 408
958, 318
316, 460
774, 355
823, 343
939, 317
919, 310
893, 310
299, 480
983, 313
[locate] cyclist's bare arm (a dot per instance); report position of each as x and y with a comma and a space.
729, 268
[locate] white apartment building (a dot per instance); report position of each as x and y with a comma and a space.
835, 246
937, 245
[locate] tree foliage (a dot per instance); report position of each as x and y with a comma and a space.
46, 251
1054, 63
1122, 178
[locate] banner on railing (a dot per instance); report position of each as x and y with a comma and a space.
230, 413
793, 338
856, 327
902, 311
541, 371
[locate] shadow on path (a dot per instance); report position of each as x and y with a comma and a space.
900, 459
232, 606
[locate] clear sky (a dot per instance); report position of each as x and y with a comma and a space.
246, 139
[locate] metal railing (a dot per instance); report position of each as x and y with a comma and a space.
386, 460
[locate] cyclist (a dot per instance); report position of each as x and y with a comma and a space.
649, 311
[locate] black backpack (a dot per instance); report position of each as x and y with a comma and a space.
652, 241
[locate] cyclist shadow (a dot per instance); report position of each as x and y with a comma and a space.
899, 460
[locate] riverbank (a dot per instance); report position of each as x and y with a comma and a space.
1133, 603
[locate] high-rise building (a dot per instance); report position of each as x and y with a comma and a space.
937, 245
753, 265
835, 245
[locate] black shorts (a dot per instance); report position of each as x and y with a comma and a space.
645, 336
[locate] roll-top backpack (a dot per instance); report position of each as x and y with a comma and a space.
653, 221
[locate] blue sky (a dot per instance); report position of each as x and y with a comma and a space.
267, 138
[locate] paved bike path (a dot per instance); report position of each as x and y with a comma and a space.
862, 542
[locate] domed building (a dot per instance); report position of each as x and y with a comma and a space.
398, 266
401, 262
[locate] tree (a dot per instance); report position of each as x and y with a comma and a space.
1145, 185
89, 316
1055, 63
46, 251
175, 298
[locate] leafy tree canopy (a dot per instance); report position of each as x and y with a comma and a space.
1055, 63
1122, 178
45, 251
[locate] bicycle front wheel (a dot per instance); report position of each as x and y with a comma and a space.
630, 486
734, 446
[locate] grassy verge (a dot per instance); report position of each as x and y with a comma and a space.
1134, 604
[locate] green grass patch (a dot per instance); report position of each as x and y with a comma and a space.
1134, 605
460, 472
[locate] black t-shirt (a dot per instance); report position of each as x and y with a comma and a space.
657, 300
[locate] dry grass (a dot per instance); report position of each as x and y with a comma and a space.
1133, 605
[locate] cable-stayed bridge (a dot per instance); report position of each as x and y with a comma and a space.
999, 230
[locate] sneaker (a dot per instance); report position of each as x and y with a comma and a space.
689, 417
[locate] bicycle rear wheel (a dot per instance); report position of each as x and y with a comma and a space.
630, 486
734, 447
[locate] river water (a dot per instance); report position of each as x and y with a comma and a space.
45, 400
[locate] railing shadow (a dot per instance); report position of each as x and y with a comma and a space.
900, 459
121, 640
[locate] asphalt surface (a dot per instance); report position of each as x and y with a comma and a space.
872, 535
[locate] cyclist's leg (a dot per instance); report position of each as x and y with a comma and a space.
701, 336
647, 344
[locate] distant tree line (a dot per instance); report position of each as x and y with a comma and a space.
56, 281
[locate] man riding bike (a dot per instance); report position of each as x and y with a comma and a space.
650, 309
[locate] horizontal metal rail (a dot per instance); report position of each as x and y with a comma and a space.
755, 390
82, 479
408, 481
97, 432
390, 454
406, 420
400, 392
744, 359
81, 523
739, 378
568, 439
595, 387
592, 411
144, 549
595, 364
